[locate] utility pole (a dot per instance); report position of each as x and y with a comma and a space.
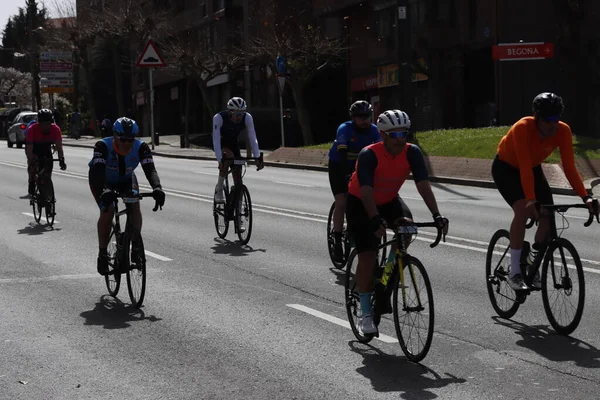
247, 93
31, 59
405, 54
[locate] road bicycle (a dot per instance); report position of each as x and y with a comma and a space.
407, 284
241, 215
561, 273
126, 252
43, 199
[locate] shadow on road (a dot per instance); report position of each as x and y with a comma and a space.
543, 340
224, 246
112, 313
392, 373
442, 186
34, 229
340, 275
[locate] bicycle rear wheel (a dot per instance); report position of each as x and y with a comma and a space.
113, 279
136, 272
413, 310
352, 299
497, 264
331, 241
563, 286
50, 202
243, 213
37, 205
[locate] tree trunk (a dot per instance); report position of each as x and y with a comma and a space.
205, 97
303, 114
91, 104
188, 98
75, 101
116, 58
36, 84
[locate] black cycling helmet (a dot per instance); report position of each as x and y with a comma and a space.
45, 115
361, 107
546, 105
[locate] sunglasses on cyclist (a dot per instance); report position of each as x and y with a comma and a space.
126, 140
551, 119
237, 114
363, 116
397, 134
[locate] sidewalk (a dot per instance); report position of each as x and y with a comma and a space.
452, 170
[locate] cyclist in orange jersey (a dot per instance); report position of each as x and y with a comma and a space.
517, 172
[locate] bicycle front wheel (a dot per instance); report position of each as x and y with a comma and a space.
563, 286
113, 278
331, 241
243, 212
220, 217
413, 310
352, 299
497, 265
50, 202
37, 205
136, 273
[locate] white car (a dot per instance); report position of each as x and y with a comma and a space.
16, 132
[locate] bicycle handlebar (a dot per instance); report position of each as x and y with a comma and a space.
440, 233
242, 160
134, 199
565, 207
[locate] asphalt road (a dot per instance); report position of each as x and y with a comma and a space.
267, 320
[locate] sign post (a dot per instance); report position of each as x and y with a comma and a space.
151, 58
281, 64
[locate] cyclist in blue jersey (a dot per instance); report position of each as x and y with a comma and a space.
227, 126
350, 139
112, 171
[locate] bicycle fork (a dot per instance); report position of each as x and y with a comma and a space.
405, 307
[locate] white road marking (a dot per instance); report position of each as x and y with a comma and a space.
206, 173
317, 217
157, 256
337, 321
292, 184
33, 216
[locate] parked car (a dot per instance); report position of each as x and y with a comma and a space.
16, 131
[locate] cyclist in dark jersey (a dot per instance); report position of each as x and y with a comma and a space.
112, 171
352, 136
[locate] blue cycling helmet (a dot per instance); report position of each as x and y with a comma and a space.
125, 127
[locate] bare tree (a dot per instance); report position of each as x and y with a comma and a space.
298, 36
199, 63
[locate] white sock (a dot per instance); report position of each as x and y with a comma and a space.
515, 262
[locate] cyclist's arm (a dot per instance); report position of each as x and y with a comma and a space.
521, 147
29, 139
252, 135
98, 168
421, 177
341, 140
58, 142
365, 173
148, 166
217, 124
567, 156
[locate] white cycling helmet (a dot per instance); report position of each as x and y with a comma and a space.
236, 104
393, 120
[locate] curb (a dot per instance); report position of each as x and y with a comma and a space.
589, 183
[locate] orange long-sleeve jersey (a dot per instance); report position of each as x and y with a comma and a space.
523, 148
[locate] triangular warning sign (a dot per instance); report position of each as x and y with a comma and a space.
150, 57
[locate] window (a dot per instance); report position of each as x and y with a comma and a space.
444, 9
218, 5
417, 12
384, 23
204, 39
203, 9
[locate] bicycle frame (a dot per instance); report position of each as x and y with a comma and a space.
401, 256
241, 162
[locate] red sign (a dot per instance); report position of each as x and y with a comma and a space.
364, 83
522, 51
150, 57
56, 66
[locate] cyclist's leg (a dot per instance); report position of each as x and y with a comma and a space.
393, 211
223, 169
543, 193
31, 172
339, 188
104, 226
508, 182
366, 243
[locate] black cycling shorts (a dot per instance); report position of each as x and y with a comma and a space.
337, 178
233, 145
508, 182
359, 221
